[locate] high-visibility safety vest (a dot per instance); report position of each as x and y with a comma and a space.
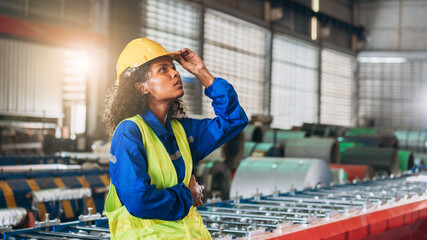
162, 172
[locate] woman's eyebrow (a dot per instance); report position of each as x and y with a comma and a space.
164, 65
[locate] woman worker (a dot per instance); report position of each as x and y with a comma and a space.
154, 149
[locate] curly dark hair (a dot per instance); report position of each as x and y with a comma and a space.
124, 100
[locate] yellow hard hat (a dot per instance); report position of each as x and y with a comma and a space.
138, 52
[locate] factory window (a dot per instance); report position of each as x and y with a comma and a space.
337, 88
294, 84
176, 25
392, 93
235, 51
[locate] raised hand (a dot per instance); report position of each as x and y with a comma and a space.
191, 62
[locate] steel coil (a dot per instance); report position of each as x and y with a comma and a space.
406, 159
266, 175
322, 148
267, 150
412, 140
420, 158
364, 141
381, 159
215, 176
322, 130
355, 171
361, 131
281, 136
248, 149
253, 133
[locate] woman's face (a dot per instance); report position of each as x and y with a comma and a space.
164, 82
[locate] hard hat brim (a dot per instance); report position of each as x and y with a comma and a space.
170, 54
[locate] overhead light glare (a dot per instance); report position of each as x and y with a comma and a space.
382, 60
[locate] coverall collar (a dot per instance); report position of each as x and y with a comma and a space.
155, 124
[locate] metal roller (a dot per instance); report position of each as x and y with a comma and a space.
381, 159
282, 136
406, 159
266, 175
321, 148
38, 168
355, 171
321, 213
253, 133
267, 150
215, 176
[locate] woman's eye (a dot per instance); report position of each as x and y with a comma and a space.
163, 69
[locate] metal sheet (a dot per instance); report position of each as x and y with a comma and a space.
321, 148
12, 216
381, 159
59, 194
34, 90
265, 175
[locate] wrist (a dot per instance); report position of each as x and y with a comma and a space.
205, 77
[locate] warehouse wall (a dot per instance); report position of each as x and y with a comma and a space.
394, 25
391, 72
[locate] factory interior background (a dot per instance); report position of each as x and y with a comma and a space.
335, 90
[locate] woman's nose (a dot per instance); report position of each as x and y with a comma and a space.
175, 73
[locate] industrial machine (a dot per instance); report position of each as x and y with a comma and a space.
375, 209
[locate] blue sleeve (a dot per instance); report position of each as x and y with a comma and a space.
209, 134
130, 177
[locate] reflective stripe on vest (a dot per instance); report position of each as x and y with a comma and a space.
162, 172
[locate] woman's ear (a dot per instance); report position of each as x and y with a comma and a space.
142, 87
